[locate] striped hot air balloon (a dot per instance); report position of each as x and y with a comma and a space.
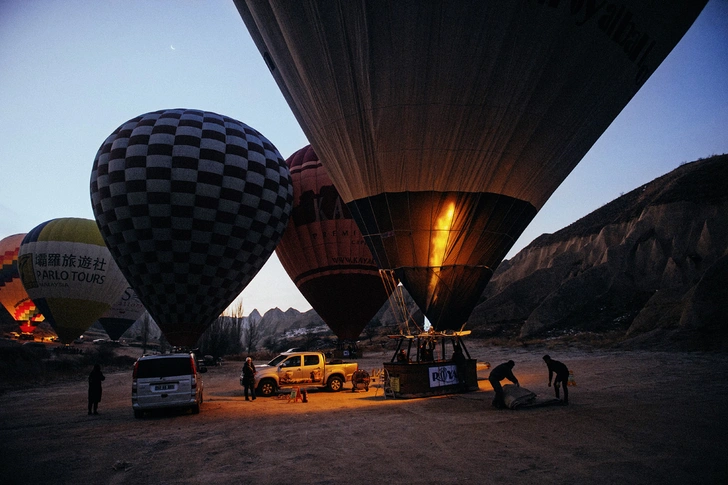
324, 252
12, 294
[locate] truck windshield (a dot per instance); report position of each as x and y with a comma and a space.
277, 360
293, 361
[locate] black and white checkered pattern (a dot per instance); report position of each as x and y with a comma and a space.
191, 205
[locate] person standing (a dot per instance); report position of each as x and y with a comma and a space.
461, 364
500, 372
562, 376
249, 378
94, 389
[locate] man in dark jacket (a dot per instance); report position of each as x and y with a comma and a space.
94, 389
500, 372
562, 376
249, 378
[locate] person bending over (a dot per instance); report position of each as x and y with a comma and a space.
562, 376
500, 372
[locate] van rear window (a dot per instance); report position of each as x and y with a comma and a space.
164, 367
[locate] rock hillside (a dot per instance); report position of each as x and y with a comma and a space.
652, 264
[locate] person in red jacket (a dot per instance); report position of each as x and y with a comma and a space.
562, 376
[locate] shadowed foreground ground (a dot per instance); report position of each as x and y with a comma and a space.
635, 417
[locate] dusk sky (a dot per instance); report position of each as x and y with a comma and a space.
73, 71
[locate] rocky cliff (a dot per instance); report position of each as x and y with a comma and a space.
651, 266
275, 322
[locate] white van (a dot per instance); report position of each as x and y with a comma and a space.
166, 381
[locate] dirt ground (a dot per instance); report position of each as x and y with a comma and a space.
634, 417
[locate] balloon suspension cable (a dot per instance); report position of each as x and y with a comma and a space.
397, 302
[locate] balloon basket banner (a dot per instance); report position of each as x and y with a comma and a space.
424, 379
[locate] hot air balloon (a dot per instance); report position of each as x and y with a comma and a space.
69, 274
122, 314
12, 294
191, 205
324, 253
446, 126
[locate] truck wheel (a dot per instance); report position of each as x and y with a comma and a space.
138, 413
266, 388
196, 409
335, 384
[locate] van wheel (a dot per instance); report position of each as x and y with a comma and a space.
196, 409
335, 384
266, 388
138, 414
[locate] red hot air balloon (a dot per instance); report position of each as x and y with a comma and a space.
325, 254
191, 205
446, 126
12, 294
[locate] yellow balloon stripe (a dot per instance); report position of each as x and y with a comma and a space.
73, 317
72, 230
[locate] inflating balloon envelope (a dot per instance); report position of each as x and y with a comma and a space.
324, 253
69, 274
122, 314
191, 205
445, 126
12, 294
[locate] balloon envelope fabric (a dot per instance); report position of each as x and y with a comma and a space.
445, 126
191, 205
12, 294
325, 254
69, 274
122, 314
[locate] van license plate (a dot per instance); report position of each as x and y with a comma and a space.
164, 387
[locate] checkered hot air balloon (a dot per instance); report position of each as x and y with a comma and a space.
191, 205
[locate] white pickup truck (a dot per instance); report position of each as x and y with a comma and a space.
297, 368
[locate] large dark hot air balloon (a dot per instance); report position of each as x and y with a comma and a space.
325, 254
12, 294
191, 205
446, 126
69, 274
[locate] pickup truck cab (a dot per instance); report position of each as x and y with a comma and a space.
296, 368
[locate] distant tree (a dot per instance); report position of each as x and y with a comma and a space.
144, 336
224, 336
252, 332
277, 344
371, 330
164, 345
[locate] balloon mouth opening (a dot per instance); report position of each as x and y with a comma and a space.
442, 246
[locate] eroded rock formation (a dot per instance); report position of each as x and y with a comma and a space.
652, 263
